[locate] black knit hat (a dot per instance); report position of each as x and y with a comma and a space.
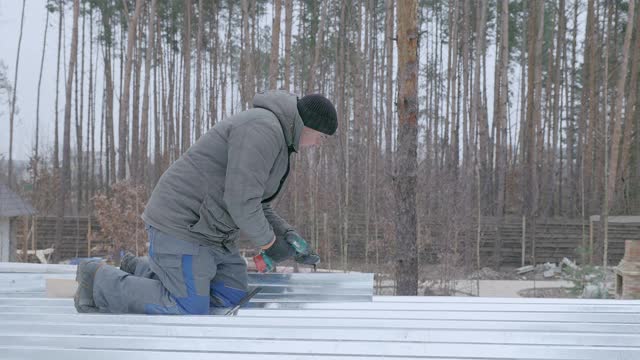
318, 113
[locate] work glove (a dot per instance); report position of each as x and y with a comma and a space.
289, 245
281, 249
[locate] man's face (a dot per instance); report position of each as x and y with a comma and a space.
311, 137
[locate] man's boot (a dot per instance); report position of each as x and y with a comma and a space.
85, 275
128, 263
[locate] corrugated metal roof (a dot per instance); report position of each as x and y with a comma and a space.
386, 327
11, 204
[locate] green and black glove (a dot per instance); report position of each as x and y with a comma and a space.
291, 244
281, 250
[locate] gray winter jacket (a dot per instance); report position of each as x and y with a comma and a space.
224, 182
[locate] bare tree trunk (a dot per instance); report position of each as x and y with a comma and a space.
126, 88
406, 247
556, 166
468, 125
186, 97
501, 114
13, 97
275, 45
287, 43
249, 77
56, 142
160, 105
150, 51
198, 109
134, 161
479, 119
227, 55
65, 179
531, 176
606, 167
319, 36
36, 156
631, 105
571, 124
214, 56
388, 40
589, 112
617, 111
452, 99
91, 178
79, 120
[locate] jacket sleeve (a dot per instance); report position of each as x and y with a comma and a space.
279, 225
252, 151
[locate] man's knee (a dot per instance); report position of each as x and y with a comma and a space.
194, 305
225, 296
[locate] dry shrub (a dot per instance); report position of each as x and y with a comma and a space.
118, 214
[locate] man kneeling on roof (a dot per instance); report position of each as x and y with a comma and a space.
223, 183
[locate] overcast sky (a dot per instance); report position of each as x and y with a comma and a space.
29, 68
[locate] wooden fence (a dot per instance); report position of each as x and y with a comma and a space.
513, 241
505, 241
79, 236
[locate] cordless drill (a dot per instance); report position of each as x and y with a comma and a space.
303, 255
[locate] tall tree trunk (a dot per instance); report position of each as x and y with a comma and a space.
319, 36
452, 99
287, 43
468, 125
225, 72
617, 111
108, 122
56, 141
247, 61
557, 166
275, 45
186, 87
199, 55
134, 161
631, 109
91, 121
501, 113
571, 121
605, 203
159, 103
479, 119
590, 111
214, 56
388, 41
36, 156
406, 172
65, 179
123, 126
530, 139
13, 97
79, 121
150, 53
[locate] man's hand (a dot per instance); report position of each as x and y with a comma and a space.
280, 249
304, 252
292, 245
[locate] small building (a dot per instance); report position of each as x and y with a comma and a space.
11, 206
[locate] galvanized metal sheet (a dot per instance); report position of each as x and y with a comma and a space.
292, 288
20, 352
278, 328
365, 313
320, 347
609, 306
336, 333
543, 325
